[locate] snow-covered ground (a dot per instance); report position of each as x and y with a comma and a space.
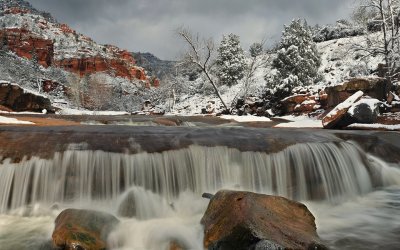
300, 122
7, 120
68, 111
375, 126
246, 118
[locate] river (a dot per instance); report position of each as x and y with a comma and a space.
350, 180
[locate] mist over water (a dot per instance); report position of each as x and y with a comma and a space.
354, 195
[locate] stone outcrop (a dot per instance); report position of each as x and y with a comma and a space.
90, 65
18, 99
28, 45
338, 117
374, 87
244, 220
304, 103
82, 229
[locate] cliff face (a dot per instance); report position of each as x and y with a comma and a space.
115, 66
36, 36
28, 45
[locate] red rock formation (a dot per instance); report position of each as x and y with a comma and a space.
16, 10
66, 29
303, 103
372, 86
29, 45
49, 85
26, 44
91, 65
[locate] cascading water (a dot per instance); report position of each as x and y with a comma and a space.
165, 188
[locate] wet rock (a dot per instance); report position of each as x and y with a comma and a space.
338, 117
18, 99
174, 245
244, 220
268, 245
82, 229
127, 208
374, 87
207, 196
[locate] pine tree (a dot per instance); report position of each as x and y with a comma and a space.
297, 60
231, 60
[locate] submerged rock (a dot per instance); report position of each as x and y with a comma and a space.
82, 229
127, 208
245, 220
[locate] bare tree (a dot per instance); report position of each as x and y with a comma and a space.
99, 93
386, 44
258, 59
200, 54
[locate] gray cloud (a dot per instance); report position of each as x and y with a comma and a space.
148, 25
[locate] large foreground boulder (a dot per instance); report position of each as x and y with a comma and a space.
338, 118
244, 220
18, 99
82, 229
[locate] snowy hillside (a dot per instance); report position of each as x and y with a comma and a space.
340, 61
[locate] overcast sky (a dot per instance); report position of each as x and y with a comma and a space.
149, 25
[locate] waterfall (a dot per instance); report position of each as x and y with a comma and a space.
307, 171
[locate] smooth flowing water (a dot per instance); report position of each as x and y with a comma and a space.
354, 195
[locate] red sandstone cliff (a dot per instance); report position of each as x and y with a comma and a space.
28, 45
54, 44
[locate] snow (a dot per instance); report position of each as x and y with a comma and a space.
300, 122
375, 126
21, 113
341, 60
88, 112
372, 103
6, 120
246, 118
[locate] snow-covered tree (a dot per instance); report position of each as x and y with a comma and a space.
383, 16
297, 61
231, 60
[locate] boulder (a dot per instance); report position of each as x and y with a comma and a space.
18, 99
365, 111
338, 117
245, 220
374, 87
302, 103
127, 208
82, 229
